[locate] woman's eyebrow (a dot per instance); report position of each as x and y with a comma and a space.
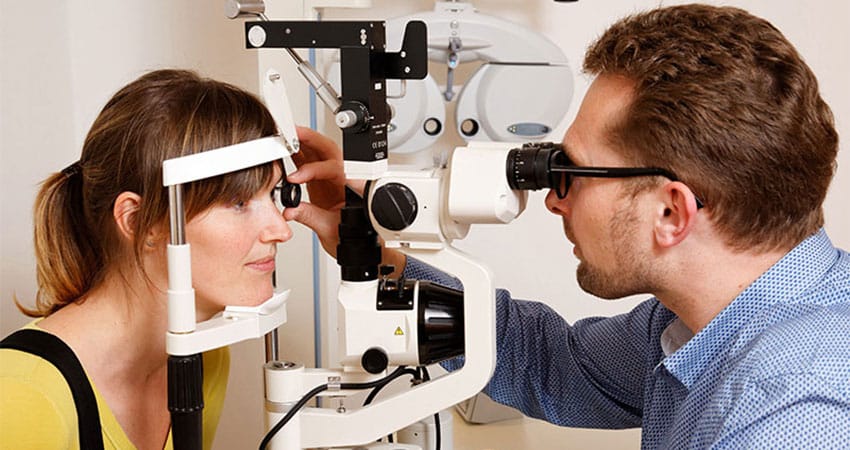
282, 177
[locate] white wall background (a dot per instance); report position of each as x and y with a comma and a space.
61, 62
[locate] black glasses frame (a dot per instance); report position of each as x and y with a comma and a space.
567, 171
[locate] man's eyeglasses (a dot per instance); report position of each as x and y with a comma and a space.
561, 166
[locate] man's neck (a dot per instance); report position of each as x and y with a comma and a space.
704, 288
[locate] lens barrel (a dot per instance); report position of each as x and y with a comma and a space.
529, 167
440, 319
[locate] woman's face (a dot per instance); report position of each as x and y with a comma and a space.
233, 251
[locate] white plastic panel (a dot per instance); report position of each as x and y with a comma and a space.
502, 97
485, 38
478, 185
223, 160
230, 327
277, 102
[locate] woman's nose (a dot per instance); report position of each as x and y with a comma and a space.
277, 229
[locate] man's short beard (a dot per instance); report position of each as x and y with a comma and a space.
631, 274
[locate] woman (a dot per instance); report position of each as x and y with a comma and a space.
101, 230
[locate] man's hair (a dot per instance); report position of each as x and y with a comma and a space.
726, 103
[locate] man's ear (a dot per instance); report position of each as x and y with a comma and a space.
676, 216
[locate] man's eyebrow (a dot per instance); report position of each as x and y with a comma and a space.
567, 151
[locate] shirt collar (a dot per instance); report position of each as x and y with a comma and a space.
675, 336
797, 271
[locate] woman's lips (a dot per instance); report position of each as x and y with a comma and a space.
262, 265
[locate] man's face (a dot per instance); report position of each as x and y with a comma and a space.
601, 218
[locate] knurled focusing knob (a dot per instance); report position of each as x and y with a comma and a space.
530, 167
353, 116
394, 206
374, 360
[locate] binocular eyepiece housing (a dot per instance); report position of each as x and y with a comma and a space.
530, 167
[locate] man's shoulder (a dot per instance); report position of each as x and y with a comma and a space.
801, 340
834, 287
808, 334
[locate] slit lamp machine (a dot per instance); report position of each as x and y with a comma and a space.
388, 327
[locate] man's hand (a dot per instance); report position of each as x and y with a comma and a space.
320, 166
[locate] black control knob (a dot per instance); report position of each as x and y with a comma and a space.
394, 206
353, 116
374, 360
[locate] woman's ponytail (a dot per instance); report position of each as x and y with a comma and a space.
65, 258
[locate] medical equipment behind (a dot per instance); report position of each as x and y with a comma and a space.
520, 90
384, 323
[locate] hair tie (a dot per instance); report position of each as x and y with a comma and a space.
72, 170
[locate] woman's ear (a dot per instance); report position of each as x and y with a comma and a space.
124, 212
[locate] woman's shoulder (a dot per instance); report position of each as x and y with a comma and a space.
216, 371
34, 375
34, 395
28, 369
217, 362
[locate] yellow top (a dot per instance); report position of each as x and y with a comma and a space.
38, 412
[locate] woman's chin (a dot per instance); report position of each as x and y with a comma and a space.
255, 298
262, 296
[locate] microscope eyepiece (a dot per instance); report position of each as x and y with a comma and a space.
530, 167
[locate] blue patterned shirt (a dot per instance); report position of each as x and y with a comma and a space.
772, 370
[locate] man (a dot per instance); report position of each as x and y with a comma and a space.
746, 342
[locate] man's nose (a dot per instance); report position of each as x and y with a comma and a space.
556, 205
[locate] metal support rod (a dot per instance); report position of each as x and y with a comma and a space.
178, 221
272, 346
242, 8
320, 86
295, 56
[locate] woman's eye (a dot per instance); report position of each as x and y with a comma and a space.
239, 205
275, 194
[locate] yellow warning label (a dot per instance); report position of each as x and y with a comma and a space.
398, 332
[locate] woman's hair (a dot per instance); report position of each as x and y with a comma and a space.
726, 103
162, 115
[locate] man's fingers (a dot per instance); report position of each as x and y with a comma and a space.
323, 223
316, 146
316, 171
308, 215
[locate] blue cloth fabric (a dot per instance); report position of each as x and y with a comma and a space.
772, 370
